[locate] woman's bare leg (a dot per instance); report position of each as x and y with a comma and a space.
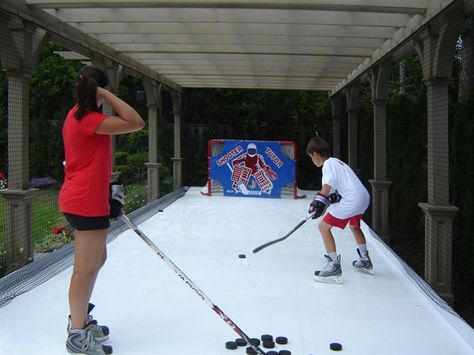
89, 256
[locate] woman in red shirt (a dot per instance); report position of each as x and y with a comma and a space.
84, 197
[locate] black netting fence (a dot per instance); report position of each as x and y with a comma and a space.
32, 155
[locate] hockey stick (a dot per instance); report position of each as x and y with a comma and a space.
256, 250
191, 284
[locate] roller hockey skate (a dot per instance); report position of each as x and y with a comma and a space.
99, 332
82, 341
331, 271
363, 264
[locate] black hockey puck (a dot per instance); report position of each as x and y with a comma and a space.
231, 345
269, 344
266, 337
250, 351
240, 342
335, 346
284, 352
242, 256
272, 352
255, 341
281, 340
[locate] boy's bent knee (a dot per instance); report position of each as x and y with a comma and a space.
323, 226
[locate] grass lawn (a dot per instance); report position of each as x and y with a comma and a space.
45, 213
46, 217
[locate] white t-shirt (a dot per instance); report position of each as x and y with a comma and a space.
355, 197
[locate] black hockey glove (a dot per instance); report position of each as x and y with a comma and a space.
318, 205
334, 197
116, 200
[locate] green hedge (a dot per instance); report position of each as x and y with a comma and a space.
462, 192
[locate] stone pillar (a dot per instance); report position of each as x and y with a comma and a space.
20, 42
380, 204
352, 97
379, 77
336, 113
18, 129
18, 244
438, 248
177, 160
153, 94
436, 47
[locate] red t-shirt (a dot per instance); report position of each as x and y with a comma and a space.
85, 191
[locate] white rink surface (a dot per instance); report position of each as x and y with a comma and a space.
152, 311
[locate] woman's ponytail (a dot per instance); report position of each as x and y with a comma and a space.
88, 80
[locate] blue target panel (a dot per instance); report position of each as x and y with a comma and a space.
247, 168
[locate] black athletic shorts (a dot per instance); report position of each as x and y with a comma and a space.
82, 223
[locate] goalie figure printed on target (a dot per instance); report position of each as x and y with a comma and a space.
252, 165
251, 168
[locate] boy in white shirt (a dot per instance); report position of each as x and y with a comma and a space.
349, 199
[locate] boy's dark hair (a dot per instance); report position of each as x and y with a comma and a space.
318, 145
88, 80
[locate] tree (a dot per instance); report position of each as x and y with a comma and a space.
466, 56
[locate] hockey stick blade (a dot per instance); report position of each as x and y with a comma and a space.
263, 246
191, 284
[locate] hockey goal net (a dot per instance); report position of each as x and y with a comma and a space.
252, 169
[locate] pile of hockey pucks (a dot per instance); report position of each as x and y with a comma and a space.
267, 342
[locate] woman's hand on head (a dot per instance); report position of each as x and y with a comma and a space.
100, 95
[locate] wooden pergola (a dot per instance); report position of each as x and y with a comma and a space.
325, 45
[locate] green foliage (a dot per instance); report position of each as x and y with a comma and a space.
133, 142
413, 81
462, 178
45, 213
365, 126
51, 97
134, 169
406, 155
3, 260
55, 239
128, 92
135, 197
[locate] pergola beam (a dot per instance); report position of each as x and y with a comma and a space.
401, 6
296, 30
235, 16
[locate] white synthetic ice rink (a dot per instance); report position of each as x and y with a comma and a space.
150, 310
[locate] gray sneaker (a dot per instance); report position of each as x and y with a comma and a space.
82, 341
331, 271
363, 264
100, 332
